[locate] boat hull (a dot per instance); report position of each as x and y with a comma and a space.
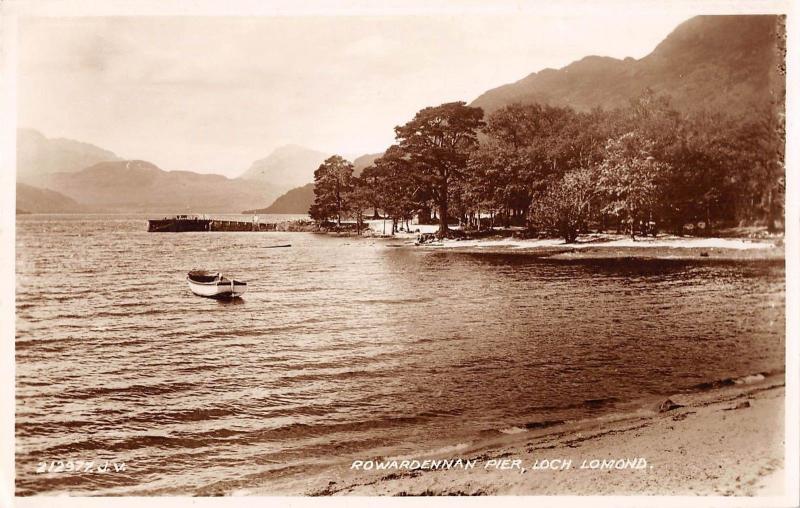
218, 289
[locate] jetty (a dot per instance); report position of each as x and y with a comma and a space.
186, 223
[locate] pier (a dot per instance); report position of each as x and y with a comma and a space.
230, 225
186, 223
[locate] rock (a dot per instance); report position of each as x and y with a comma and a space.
668, 405
742, 404
704, 254
747, 380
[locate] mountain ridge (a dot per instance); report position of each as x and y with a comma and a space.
729, 62
136, 185
84, 177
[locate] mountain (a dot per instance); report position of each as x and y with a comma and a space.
141, 186
39, 156
35, 200
297, 200
711, 62
286, 167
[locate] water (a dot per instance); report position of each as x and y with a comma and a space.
341, 347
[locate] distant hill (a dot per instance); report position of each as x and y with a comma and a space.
141, 186
713, 62
297, 200
286, 167
39, 156
78, 176
360, 163
35, 200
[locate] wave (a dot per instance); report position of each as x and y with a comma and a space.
146, 312
543, 424
395, 301
332, 376
599, 403
510, 430
180, 416
755, 377
134, 391
518, 429
282, 433
22, 428
24, 344
133, 443
296, 430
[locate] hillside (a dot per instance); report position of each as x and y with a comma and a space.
286, 167
39, 156
35, 200
713, 62
141, 186
295, 201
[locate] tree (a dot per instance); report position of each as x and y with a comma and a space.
564, 206
629, 177
332, 184
370, 179
437, 143
359, 199
530, 146
395, 185
758, 156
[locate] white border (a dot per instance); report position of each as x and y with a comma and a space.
11, 10
8, 113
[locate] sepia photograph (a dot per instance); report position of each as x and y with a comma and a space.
396, 248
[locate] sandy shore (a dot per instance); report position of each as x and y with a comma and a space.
602, 246
726, 441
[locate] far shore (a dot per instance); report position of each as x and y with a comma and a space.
724, 441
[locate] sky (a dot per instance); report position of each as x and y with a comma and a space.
214, 94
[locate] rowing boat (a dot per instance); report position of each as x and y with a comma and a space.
214, 285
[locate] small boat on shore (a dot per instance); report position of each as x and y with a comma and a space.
214, 285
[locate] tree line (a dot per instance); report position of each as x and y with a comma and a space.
556, 171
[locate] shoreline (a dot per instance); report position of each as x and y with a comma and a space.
608, 246
726, 440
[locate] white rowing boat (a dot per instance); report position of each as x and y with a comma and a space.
214, 285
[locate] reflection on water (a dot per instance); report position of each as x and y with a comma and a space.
230, 301
341, 346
